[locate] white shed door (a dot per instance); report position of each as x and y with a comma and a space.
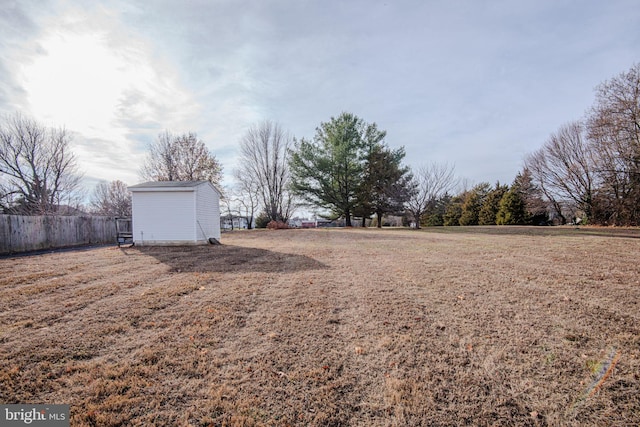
166, 216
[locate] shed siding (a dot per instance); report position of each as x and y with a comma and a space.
164, 217
207, 212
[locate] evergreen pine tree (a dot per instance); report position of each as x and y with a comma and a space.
512, 208
491, 205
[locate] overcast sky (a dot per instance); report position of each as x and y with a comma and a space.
478, 84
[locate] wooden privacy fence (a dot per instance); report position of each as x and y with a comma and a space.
30, 233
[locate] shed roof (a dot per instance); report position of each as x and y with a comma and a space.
170, 186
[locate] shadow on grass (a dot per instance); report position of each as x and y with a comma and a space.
523, 230
226, 258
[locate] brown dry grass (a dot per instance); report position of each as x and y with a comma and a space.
482, 326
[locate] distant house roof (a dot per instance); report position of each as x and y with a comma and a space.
170, 186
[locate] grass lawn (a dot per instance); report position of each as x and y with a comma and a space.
329, 327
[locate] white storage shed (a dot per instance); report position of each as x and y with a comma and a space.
175, 213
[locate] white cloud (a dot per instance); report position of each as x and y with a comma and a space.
106, 86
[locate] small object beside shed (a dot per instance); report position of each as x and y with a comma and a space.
175, 213
124, 236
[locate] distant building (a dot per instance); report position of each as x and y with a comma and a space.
231, 222
309, 223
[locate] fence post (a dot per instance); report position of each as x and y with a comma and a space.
5, 234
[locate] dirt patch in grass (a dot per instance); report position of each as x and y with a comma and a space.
331, 327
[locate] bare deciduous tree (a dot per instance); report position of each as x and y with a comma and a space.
180, 158
112, 199
230, 208
248, 196
614, 130
428, 185
38, 168
264, 162
564, 169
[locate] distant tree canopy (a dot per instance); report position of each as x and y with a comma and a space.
112, 199
488, 214
613, 129
518, 204
511, 209
564, 169
429, 190
38, 170
591, 168
384, 188
347, 169
180, 158
472, 204
263, 174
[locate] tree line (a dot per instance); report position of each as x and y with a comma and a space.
348, 170
587, 170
